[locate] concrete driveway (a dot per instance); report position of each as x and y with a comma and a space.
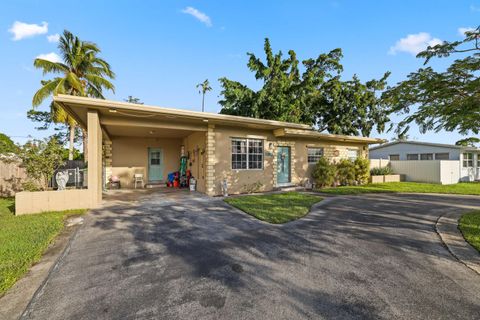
178, 256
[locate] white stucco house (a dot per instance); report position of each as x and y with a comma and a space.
453, 163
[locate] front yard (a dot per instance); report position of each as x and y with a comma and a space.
23, 239
275, 208
409, 187
469, 225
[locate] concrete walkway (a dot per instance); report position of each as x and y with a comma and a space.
178, 256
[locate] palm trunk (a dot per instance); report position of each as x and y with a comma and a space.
203, 102
71, 142
85, 145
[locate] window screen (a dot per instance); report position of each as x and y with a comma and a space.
467, 160
412, 156
442, 156
426, 156
314, 154
247, 154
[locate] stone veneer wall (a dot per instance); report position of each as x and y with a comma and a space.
107, 156
211, 159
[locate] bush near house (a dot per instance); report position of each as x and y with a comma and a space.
385, 171
345, 172
324, 173
23, 239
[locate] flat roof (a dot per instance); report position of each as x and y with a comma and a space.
430, 144
108, 109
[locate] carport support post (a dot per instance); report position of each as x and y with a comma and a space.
94, 157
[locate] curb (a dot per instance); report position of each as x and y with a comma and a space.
447, 228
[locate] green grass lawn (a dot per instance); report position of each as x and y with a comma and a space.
414, 187
23, 239
469, 225
275, 208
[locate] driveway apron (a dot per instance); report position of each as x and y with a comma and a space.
187, 256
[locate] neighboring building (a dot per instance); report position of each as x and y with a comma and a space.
244, 152
467, 159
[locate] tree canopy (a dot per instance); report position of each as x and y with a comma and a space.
80, 73
7, 145
448, 100
309, 92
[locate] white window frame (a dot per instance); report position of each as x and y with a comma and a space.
314, 155
412, 154
426, 154
247, 153
466, 160
349, 157
395, 155
443, 153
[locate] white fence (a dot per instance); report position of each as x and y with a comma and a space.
431, 171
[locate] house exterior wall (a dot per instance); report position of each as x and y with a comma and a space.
195, 147
211, 161
265, 179
403, 149
130, 156
463, 173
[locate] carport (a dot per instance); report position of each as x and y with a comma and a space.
126, 139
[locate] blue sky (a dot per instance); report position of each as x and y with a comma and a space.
161, 49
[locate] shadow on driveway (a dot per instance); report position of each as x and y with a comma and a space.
178, 255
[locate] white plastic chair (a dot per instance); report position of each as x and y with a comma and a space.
138, 178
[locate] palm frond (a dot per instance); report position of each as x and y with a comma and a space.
49, 66
46, 90
74, 83
100, 82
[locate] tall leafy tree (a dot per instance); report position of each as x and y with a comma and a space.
310, 92
449, 99
204, 88
7, 145
81, 73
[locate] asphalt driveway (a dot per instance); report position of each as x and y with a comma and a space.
178, 256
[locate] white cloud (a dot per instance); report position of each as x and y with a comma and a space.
414, 43
474, 8
22, 30
462, 30
200, 16
53, 37
52, 56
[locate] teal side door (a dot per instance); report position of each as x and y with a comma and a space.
283, 165
155, 164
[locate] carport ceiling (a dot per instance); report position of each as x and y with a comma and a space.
144, 132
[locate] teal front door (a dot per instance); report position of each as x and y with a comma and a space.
283, 165
155, 164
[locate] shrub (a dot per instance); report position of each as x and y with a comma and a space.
381, 171
324, 173
41, 158
362, 173
345, 172
30, 185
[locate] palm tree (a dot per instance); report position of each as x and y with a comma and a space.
81, 73
204, 87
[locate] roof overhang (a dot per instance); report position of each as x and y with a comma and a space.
296, 133
129, 119
78, 106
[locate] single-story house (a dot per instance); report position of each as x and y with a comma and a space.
125, 139
456, 163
